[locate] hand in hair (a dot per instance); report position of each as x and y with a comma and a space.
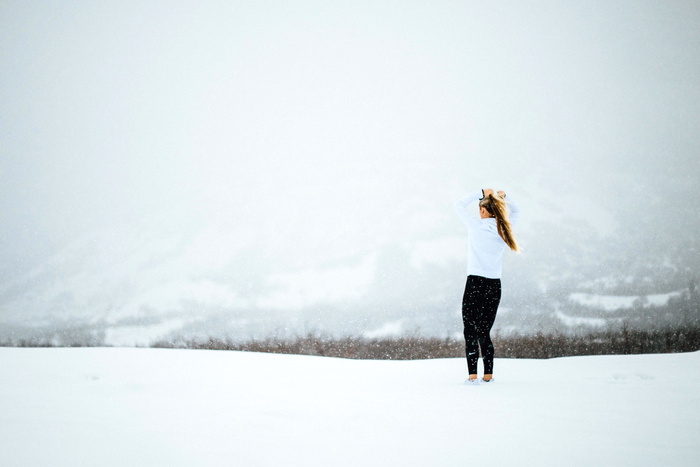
487, 191
502, 194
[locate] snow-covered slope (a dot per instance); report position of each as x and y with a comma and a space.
144, 407
166, 275
217, 276
616, 302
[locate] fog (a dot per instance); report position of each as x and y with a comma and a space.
294, 163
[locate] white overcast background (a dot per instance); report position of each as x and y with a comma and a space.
306, 126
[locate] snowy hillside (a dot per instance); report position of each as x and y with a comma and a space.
221, 273
144, 407
228, 272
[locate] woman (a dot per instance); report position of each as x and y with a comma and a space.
488, 236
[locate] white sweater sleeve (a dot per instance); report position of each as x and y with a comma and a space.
460, 206
514, 214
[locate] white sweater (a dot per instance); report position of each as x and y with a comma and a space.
485, 250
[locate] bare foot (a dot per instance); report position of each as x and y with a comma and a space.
486, 377
472, 377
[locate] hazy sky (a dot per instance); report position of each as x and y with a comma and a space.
271, 110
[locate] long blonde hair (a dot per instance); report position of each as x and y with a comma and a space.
496, 206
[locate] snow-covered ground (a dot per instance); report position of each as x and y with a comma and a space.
127, 406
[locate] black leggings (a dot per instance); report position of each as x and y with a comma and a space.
479, 306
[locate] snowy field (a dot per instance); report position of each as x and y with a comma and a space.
146, 407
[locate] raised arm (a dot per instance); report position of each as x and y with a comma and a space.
461, 207
514, 210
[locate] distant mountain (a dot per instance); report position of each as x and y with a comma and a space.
302, 268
